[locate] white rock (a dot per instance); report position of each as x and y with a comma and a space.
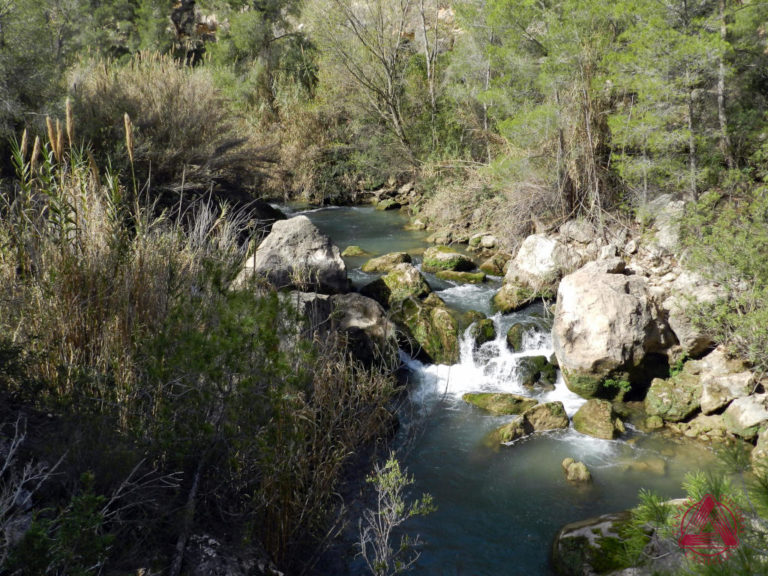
297, 255
745, 415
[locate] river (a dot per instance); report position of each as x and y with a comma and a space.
499, 508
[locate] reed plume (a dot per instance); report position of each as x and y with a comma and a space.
70, 124
128, 136
35, 154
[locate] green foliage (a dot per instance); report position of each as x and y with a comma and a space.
73, 541
390, 512
727, 239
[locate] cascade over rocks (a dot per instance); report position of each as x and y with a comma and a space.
606, 328
297, 255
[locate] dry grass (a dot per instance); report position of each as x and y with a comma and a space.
478, 203
183, 129
86, 272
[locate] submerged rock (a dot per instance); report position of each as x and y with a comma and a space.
463, 277
576, 472
353, 251
597, 418
499, 403
606, 327
297, 255
386, 262
439, 258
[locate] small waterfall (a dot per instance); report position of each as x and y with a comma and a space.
492, 367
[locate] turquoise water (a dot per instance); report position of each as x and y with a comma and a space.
498, 508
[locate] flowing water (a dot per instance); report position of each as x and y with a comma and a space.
499, 507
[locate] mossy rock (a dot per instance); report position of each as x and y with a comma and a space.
499, 403
675, 398
433, 329
597, 418
483, 331
402, 282
511, 297
591, 546
466, 319
536, 370
386, 262
591, 386
507, 433
353, 251
388, 204
546, 416
463, 277
515, 336
495, 264
439, 258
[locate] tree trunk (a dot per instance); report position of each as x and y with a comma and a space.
725, 141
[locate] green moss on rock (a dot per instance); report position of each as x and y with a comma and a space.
388, 204
432, 328
483, 331
511, 297
386, 262
439, 258
597, 418
675, 398
353, 251
504, 404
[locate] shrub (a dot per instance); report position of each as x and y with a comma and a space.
184, 129
726, 241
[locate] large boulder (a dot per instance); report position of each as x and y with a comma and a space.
535, 271
746, 416
297, 255
402, 282
606, 329
360, 321
433, 331
499, 403
386, 262
597, 418
439, 258
686, 289
370, 335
